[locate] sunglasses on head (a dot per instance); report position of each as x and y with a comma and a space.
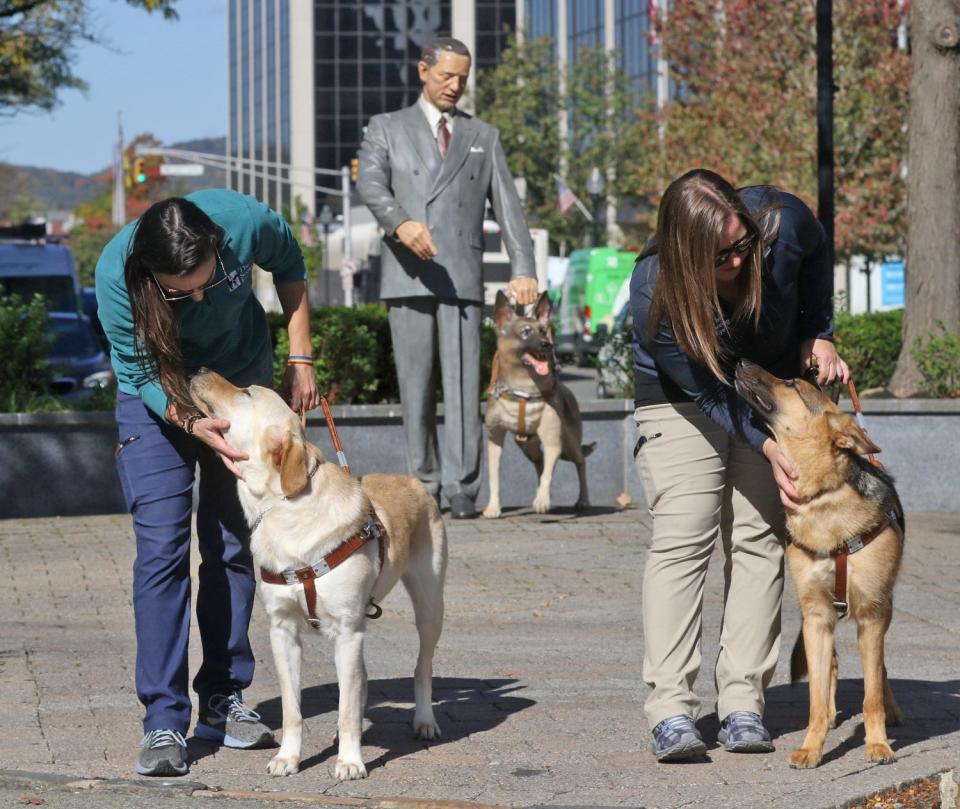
739, 248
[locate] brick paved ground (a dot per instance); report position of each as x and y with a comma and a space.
538, 688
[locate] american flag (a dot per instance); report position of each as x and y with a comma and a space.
566, 199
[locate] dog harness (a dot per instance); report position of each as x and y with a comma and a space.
893, 517
372, 529
522, 397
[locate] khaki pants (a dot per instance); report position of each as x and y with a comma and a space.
702, 483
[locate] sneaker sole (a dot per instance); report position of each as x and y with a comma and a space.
682, 751
163, 770
211, 734
747, 747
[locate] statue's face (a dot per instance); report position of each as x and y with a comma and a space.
444, 82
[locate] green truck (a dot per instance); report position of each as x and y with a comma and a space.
594, 276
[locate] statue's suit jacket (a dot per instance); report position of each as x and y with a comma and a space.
402, 176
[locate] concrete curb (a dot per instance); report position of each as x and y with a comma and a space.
17, 779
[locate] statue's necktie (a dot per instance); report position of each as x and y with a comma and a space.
443, 136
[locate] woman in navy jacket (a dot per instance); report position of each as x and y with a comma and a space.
730, 275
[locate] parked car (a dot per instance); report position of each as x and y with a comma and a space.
590, 286
29, 265
78, 361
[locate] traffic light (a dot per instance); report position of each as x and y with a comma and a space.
139, 174
354, 169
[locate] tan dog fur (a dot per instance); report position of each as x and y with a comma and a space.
525, 362
306, 518
844, 496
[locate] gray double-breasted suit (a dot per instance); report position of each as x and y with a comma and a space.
403, 177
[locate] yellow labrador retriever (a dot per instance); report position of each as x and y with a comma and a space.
320, 530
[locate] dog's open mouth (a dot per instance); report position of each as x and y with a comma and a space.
540, 363
756, 398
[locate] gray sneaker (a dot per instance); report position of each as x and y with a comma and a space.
227, 721
676, 738
743, 732
163, 753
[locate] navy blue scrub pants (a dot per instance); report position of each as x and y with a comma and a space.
156, 463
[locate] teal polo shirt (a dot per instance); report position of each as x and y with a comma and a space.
226, 331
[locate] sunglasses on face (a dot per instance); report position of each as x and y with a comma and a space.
178, 295
738, 248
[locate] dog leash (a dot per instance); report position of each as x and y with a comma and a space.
857, 543
372, 529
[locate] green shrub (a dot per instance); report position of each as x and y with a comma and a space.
353, 353
938, 357
870, 345
24, 375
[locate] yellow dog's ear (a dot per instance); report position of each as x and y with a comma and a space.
289, 458
847, 434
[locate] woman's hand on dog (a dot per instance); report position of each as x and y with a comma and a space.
823, 354
783, 474
211, 431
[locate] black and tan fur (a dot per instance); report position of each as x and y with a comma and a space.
843, 496
525, 364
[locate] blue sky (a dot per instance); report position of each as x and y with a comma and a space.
168, 78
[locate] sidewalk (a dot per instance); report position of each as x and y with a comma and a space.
538, 685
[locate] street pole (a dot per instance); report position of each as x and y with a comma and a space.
348, 264
825, 156
119, 190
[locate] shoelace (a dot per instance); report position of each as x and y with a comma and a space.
156, 739
745, 718
678, 724
232, 707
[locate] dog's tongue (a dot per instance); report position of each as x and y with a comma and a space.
542, 367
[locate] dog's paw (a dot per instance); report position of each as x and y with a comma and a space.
426, 728
804, 759
880, 753
283, 765
541, 504
349, 770
492, 511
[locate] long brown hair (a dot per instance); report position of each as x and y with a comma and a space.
693, 213
173, 237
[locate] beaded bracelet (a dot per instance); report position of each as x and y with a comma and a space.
190, 421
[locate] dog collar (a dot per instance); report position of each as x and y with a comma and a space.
262, 514
500, 392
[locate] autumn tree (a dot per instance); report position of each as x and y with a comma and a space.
933, 257
38, 40
746, 107
523, 98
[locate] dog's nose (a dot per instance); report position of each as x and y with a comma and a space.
546, 345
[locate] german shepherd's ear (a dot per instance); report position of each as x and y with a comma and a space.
847, 434
543, 309
289, 458
503, 311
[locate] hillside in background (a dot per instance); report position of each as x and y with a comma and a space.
64, 190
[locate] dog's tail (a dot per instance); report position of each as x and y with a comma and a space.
586, 449
798, 660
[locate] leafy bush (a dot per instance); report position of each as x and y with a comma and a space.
938, 357
870, 345
24, 375
353, 354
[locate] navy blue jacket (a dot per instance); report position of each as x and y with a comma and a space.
796, 304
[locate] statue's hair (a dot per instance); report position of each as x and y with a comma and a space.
430, 53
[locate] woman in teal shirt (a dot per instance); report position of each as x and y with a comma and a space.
174, 291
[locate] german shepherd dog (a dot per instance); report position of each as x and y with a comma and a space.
850, 515
309, 529
527, 399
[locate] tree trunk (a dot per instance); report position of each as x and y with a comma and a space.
933, 183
